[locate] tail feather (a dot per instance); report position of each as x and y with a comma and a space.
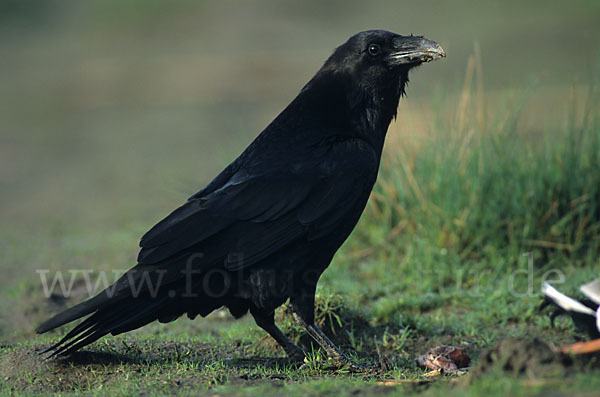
62, 350
118, 312
71, 334
117, 292
84, 328
75, 312
136, 312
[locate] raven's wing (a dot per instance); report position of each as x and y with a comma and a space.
255, 210
259, 210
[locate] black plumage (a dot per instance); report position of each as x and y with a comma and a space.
268, 225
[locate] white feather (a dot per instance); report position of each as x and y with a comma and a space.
565, 302
592, 290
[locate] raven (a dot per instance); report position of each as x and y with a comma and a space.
268, 225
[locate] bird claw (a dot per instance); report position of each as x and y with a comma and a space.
353, 366
295, 355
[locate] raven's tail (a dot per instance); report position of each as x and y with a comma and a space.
72, 314
115, 310
121, 307
126, 314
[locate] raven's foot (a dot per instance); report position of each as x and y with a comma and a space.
339, 364
336, 357
266, 322
350, 365
295, 354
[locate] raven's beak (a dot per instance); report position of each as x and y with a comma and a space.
414, 50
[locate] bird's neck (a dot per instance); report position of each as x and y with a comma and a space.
375, 108
350, 108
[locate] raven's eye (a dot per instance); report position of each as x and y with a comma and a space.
373, 49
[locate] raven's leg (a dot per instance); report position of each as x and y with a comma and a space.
267, 322
303, 309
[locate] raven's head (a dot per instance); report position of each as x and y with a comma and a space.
378, 58
380, 51
371, 71
372, 67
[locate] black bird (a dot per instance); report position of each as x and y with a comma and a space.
268, 225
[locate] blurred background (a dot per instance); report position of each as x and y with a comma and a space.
113, 112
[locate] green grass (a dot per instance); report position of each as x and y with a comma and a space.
474, 182
452, 218
430, 263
